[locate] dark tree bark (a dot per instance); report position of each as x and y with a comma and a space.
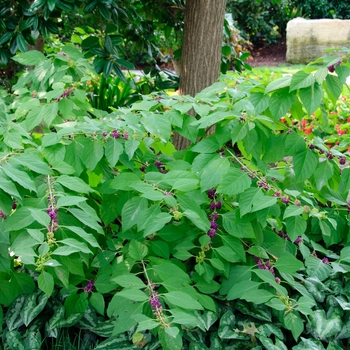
201, 49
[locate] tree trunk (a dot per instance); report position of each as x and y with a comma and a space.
201, 49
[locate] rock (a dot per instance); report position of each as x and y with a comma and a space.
307, 39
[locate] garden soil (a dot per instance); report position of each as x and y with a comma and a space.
268, 55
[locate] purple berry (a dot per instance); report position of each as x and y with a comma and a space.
298, 240
211, 193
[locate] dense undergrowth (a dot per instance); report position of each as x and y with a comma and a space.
240, 241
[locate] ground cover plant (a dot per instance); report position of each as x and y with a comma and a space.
109, 232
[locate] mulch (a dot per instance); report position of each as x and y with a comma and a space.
268, 55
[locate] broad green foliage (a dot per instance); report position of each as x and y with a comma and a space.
240, 241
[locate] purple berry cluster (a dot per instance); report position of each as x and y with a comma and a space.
52, 212
160, 166
281, 234
264, 264
331, 68
89, 287
155, 302
329, 155
214, 206
263, 184
325, 260
116, 134
285, 199
65, 94
2, 215
298, 240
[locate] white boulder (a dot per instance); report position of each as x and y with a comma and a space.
307, 39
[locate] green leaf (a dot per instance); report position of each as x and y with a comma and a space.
253, 200
334, 87
156, 223
19, 176
63, 167
50, 139
40, 216
30, 58
212, 173
249, 291
13, 318
301, 80
134, 294
66, 201
123, 180
281, 102
88, 237
316, 267
305, 163
168, 342
234, 181
228, 254
344, 185
74, 183
293, 210
269, 278
129, 281
237, 228
92, 154
131, 211
236, 244
294, 144
167, 270
144, 105
32, 307
239, 132
65, 251
323, 173
73, 243
131, 146
311, 97
157, 124
296, 226
287, 263
125, 310
32, 162
325, 327
199, 218
185, 318
8, 186
258, 251
113, 150
294, 323
217, 264
96, 300
278, 84
46, 283
86, 218
49, 113
137, 250
76, 303
183, 300
20, 219
90, 42
207, 145
260, 101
